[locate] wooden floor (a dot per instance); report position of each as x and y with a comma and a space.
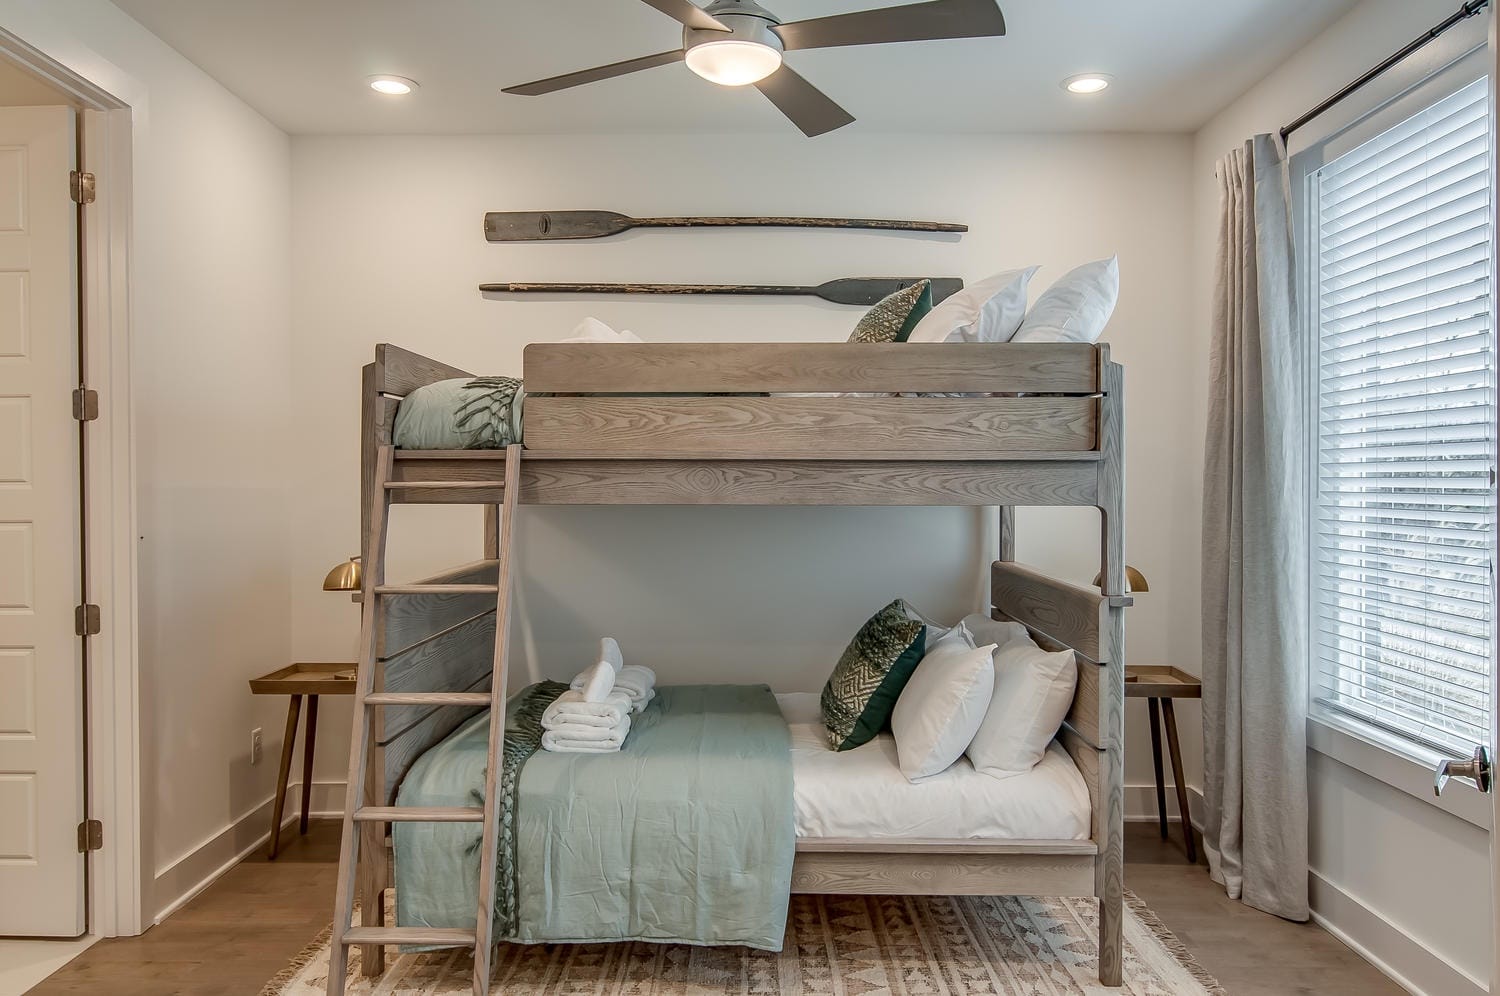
255, 919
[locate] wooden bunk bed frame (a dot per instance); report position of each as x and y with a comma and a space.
687, 424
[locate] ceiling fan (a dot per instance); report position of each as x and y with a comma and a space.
738, 42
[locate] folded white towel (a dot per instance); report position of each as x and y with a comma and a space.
591, 731
560, 743
609, 652
570, 709
586, 739
637, 682
595, 682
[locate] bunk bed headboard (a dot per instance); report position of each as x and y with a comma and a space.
429, 641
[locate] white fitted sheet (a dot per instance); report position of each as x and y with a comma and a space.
862, 792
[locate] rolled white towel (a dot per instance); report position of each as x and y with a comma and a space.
609, 652
570, 709
596, 682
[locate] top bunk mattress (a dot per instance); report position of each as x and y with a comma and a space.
862, 793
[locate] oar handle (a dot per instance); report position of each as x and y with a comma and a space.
879, 224
586, 288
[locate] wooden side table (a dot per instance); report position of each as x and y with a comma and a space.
1159, 684
296, 681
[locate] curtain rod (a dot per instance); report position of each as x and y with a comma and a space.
1466, 11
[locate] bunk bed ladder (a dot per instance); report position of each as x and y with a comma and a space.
367, 698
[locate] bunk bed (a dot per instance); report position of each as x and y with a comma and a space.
664, 424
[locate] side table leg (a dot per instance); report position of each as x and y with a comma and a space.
288, 744
1161, 787
308, 740
1182, 794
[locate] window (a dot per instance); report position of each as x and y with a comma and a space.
1404, 510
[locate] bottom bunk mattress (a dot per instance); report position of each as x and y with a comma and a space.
684, 836
861, 793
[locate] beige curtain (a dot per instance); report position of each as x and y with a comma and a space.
1254, 559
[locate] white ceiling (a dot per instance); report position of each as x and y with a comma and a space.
303, 63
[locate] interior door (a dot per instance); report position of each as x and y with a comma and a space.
41, 688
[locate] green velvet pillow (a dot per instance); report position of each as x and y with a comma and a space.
893, 317
862, 691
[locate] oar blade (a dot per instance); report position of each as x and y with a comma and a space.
545, 226
868, 290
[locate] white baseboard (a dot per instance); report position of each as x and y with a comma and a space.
1408, 962
1140, 804
177, 883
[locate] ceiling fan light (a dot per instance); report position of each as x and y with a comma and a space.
733, 62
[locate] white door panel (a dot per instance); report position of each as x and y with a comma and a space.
41, 753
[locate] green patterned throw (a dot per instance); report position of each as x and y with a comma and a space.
893, 318
862, 691
523, 738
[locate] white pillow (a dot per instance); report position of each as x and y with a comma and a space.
989, 311
934, 632
1033, 690
1077, 307
942, 705
986, 630
593, 330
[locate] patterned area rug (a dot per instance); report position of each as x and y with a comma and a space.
836, 946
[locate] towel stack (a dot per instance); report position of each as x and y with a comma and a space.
593, 716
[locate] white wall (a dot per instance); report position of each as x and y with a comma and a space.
211, 343
1401, 879
388, 247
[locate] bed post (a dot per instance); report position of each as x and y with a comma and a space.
372, 875
1109, 832
1007, 532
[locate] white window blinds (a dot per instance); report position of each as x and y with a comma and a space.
1404, 517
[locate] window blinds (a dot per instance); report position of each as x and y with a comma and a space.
1405, 500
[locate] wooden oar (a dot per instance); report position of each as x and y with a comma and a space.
846, 290
532, 226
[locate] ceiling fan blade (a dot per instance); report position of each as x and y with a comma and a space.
910, 22
809, 108
690, 14
594, 75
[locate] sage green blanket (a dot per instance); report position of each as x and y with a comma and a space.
686, 835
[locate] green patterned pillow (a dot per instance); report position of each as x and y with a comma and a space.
862, 691
893, 317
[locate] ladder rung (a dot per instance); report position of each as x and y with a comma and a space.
428, 698
447, 936
441, 485
419, 814
437, 589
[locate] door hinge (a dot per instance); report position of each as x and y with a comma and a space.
86, 619
81, 187
90, 836
85, 404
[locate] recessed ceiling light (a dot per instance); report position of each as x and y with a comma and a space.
1086, 83
392, 86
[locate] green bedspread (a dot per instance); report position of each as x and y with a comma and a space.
686, 835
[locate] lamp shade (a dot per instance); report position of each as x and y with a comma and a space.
1134, 580
348, 576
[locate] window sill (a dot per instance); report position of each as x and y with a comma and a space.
1404, 767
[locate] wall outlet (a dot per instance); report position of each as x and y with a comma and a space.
255, 746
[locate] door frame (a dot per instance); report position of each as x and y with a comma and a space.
116, 896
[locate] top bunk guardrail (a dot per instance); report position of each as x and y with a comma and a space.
736, 401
